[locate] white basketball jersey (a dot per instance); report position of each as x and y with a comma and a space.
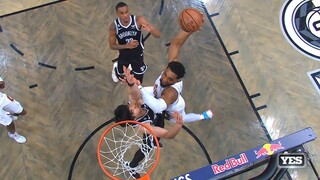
178, 105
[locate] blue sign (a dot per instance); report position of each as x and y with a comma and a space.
247, 158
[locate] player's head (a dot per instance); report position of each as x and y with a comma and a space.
122, 10
122, 113
127, 112
173, 73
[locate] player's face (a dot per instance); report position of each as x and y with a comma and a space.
168, 78
134, 109
123, 14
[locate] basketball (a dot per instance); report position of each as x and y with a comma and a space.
190, 20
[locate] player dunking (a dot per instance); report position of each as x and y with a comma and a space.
139, 111
165, 95
126, 30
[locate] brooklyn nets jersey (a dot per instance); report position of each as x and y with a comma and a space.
125, 34
149, 117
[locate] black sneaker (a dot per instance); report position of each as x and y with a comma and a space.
131, 170
134, 174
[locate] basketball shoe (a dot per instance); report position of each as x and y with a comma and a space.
113, 73
207, 115
18, 138
131, 170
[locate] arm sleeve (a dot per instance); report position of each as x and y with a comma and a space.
157, 105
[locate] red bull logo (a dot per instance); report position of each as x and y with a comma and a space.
268, 149
230, 164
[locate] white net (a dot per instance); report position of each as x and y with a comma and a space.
120, 145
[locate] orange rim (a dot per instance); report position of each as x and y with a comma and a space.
147, 175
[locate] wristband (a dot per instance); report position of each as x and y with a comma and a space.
130, 85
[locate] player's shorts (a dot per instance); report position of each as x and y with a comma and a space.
138, 66
5, 119
8, 106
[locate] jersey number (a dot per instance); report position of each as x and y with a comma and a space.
129, 40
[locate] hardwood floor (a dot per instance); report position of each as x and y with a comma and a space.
67, 105
12, 7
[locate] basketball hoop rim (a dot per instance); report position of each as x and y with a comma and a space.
146, 176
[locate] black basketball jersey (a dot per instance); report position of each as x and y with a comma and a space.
149, 117
125, 34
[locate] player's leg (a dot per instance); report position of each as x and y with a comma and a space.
9, 111
139, 156
113, 72
139, 68
191, 117
119, 69
7, 121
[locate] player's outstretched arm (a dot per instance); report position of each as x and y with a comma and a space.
130, 82
178, 41
169, 133
145, 25
176, 44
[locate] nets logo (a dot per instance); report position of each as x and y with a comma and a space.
300, 24
291, 160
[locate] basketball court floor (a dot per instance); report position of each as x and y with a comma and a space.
56, 61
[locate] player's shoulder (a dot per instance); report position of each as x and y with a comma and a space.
169, 91
112, 26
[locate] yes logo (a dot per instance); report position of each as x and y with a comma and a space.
291, 160
185, 177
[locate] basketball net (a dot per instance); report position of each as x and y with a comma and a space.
118, 145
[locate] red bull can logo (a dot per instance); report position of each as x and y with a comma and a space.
268, 149
230, 163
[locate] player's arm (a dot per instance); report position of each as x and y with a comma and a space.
133, 91
168, 96
113, 40
145, 25
168, 133
134, 94
2, 83
176, 44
